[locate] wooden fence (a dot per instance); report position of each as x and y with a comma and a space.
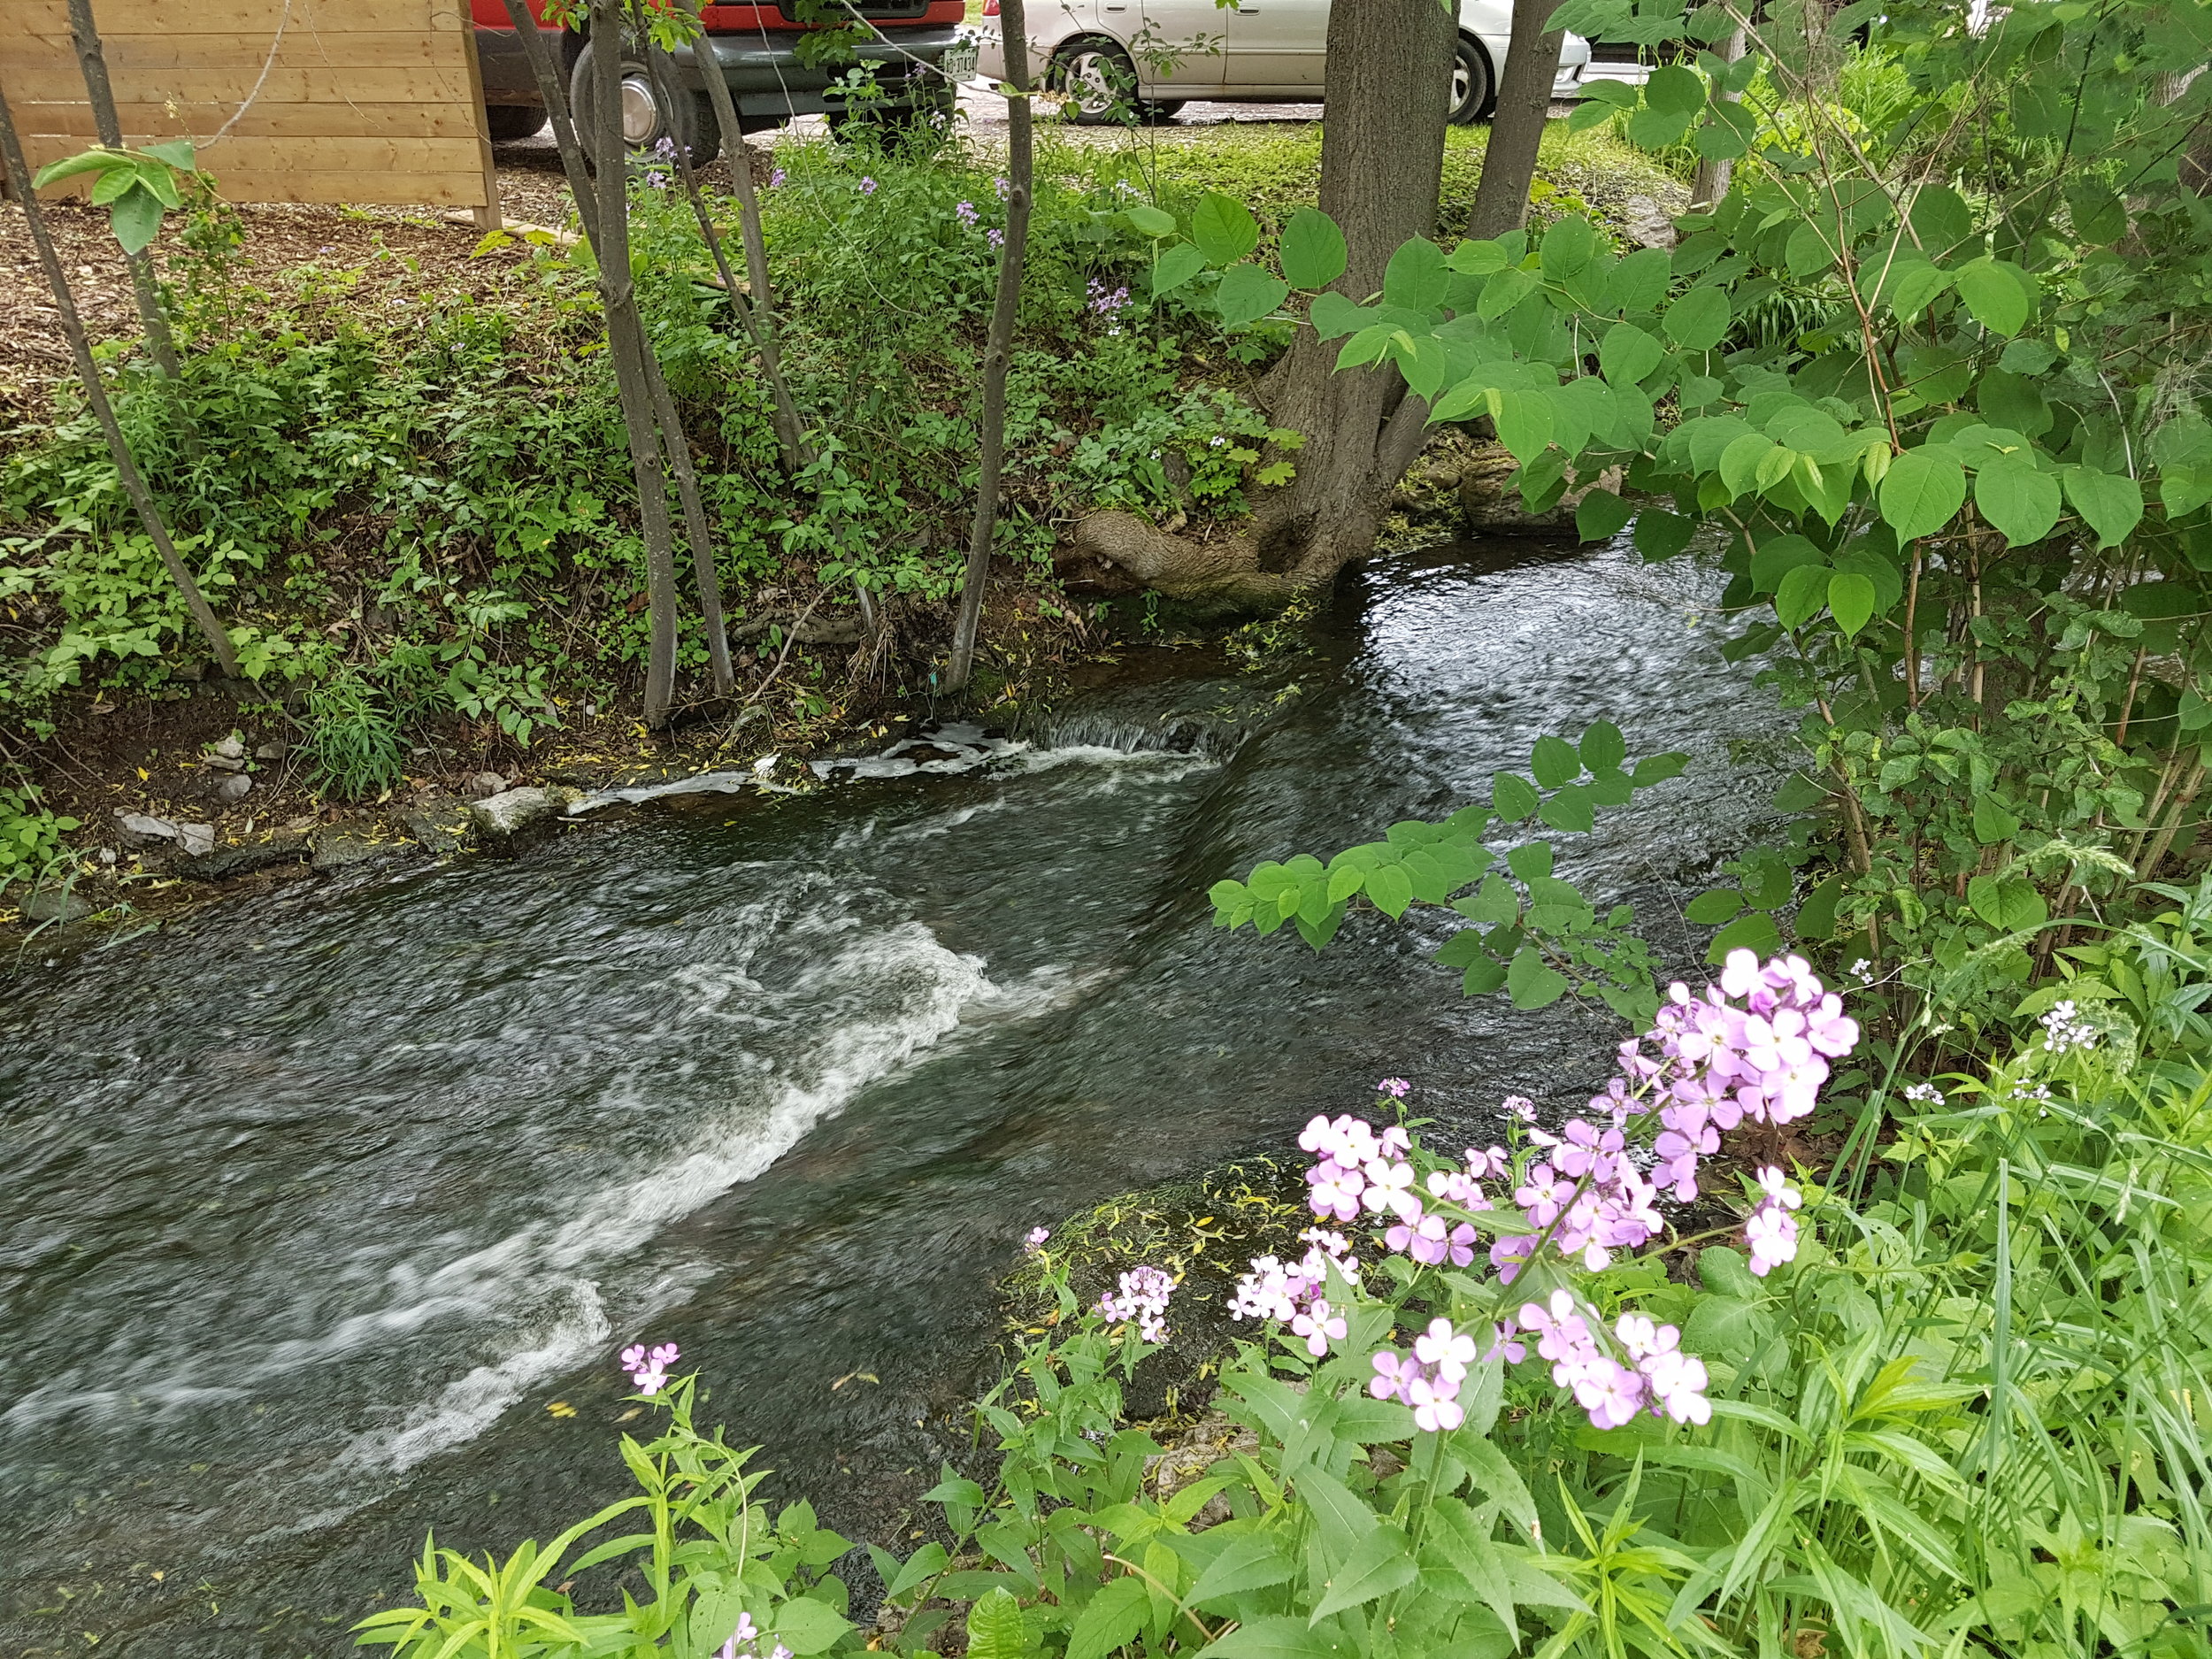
361, 101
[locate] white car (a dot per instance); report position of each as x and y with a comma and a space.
1108, 56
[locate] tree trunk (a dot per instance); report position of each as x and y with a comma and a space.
790, 431
93, 61
627, 344
1509, 165
19, 177
1711, 180
998, 347
1382, 156
696, 530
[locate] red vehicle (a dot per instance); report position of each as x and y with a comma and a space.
752, 47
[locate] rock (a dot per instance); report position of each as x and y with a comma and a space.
1491, 505
226, 863
224, 762
276, 750
233, 789
54, 904
1190, 1453
483, 786
440, 825
140, 831
513, 819
195, 839
1647, 224
226, 748
343, 846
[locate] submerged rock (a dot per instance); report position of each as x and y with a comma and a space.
344, 846
54, 904
224, 863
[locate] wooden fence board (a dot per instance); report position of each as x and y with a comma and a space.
368, 101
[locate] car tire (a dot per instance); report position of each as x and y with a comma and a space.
511, 123
1098, 82
1474, 89
1163, 110
646, 121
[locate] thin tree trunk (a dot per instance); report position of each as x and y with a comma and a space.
1509, 165
627, 345
1711, 180
696, 530
19, 176
998, 347
93, 61
790, 431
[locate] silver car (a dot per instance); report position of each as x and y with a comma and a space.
1113, 57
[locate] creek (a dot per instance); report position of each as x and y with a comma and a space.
325, 1210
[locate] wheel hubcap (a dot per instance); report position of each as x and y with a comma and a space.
1088, 83
1463, 86
640, 118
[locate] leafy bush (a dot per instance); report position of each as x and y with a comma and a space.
352, 739
30, 847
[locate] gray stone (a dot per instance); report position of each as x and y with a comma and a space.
228, 749
54, 904
1646, 223
224, 762
343, 848
276, 750
483, 786
441, 826
226, 863
139, 831
233, 789
195, 839
513, 819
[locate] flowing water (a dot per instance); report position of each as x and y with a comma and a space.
324, 1211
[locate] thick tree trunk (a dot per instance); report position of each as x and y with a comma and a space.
1509, 165
998, 347
625, 340
1382, 155
93, 61
1712, 178
17, 172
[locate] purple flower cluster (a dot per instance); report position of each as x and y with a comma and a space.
776, 177
965, 213
743, 1643
1143, 1298
648, 1367
995, 237
1771, 1231
1107, 302
1428, 1378
1657, 1378
1291, 1293
867, 185
1033, 1242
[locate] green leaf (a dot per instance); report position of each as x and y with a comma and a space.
1993, 292
1658, 768
1802, 594
1109, 1619
1254, 1561
1627, 354
1224, 228
1710, 910
135, 219
1661, 535
1991, 822
1567, 248
1755, 931
1530, 982
2108, 503
1273, 1638
1248, 293
2018, 499
924, 1564
1390, 888
1816, 916
1146, 220
1698, 321
1176, 267
1574, 809
1602, 514
1416, 276
1603, 747
1511, 796
1524, 424
2007, 904
1332, 316
176, 151
1920, 493
1675, 89
1554, 761
1379, 1565
1850, 601
1777, 556
1311, 249
808, 1626
71, 166
110, 186
1503, 292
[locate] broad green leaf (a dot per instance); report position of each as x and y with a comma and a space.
1802, 593
1416, 276
1555, 763
1777, 556
1567, 248
1627, 354
924, 1564
1574, 809
2110, 504
135, 219
1941, 219
1532, 983
1176, 267
109, 186
1600, 514
1332, 316
1503, 292
176, 151
1698, 321
1109, 1619
1816, 916
2020, 501
1710, 910
2007, 904
1675, 89
1224, 228
1524, 424
808, 1626
1248, 293
1755, 932
1380, 1563
1661, 535
1311, 249
1272, 1638
1390, 888
1658, 768
1603, 747
1850, 601
1994, 291
1146, 220
1511, 796
1254, 1561
1991, 822
1478, 258
71, 166
1920, 493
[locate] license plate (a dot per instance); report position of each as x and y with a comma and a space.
959, 61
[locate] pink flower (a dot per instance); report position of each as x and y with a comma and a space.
1450, 1351
1319, 1326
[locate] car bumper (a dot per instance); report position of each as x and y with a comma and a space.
765, 77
